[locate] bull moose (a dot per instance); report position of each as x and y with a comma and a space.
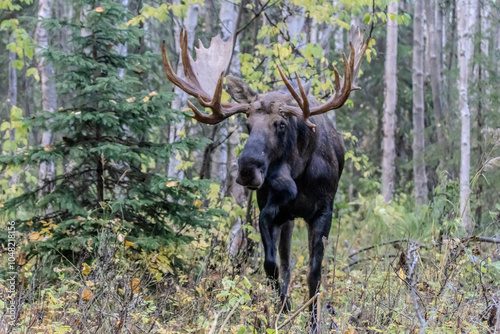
293, 157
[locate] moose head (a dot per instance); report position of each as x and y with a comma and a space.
271, 117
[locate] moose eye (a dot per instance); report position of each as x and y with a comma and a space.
282, 126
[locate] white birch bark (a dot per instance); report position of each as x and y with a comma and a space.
46, 71
228, 19
464, 56
419, 174
295, 20
180, 100
389, 117
122, 48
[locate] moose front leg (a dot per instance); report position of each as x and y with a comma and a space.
285, 265
270, 237
319, 228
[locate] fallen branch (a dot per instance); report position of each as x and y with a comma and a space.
293, 316
482, 239
377, 245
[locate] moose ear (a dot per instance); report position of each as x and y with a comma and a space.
307, 87
239, 90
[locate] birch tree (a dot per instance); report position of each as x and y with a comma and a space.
419, 174
434, 43
390, 94
180, 100
46, 71
464, 56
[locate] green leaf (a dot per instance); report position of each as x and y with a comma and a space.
5, 125
19, 64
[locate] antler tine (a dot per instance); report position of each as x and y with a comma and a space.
188, 66
290, 87
192, 86
305, 102
337, 79
174, 78
215, 103
343, 86
218, 112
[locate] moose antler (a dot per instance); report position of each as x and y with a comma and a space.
343, 86
191, 83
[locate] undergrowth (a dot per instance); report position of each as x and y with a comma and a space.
388, 261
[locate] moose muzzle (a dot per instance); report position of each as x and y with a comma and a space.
251, 172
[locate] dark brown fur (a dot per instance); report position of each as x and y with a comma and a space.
296, 173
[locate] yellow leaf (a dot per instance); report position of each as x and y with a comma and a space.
401, 273
152, 94
197, 203
86, 269
171, 184
145, 99
34, 236
89, 284
131, 99
21, 259
86, 294
99, 9
128, 243
135, 285
351, 331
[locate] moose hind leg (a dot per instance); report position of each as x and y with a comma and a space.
319, 228
285, 263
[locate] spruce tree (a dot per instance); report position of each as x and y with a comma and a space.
106, 151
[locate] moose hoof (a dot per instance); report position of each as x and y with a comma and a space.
286, 306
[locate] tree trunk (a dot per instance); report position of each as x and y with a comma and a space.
464, 55
389, 118
46, 71
482, 75
435, 73
419, 174
12, 97
180, 100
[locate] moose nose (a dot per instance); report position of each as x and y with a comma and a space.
251, 172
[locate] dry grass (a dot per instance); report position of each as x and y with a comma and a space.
454, 284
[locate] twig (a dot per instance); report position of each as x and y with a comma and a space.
497, 323
335, 259
228, 317
214, 324
318, 313
413, 260
377, 245
293, 316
